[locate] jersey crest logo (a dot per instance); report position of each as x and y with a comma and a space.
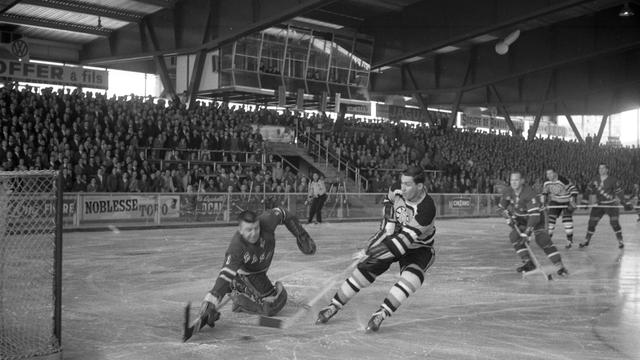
262, 257
255, 259
247, 257
404, 214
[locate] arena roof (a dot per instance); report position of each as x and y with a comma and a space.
567, 56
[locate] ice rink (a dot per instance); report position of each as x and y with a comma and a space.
124, 294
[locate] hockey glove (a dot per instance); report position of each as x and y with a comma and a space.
628, 206
507, 217
572, 204
208, 313
528, 231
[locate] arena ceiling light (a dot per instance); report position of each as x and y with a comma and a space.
626, 11
318, 22
502, 47
446, 49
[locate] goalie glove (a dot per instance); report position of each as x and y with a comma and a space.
208, 312
303, 239
628, 206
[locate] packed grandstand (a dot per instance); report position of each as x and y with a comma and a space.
136, 144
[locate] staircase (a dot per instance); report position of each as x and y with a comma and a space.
322, 160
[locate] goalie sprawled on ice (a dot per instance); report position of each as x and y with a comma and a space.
243, 276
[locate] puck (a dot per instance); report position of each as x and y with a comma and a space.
246, 337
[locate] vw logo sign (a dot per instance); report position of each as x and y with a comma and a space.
20, 48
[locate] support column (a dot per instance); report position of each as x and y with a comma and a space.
574, 128
507, 118
603, 123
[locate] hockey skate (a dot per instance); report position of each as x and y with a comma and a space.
327, 313
376, 319
526, 267
620, 244
563, 272
569, 244
584, 244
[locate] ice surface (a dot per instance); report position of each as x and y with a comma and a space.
124, 294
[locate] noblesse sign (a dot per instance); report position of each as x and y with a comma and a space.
60, 74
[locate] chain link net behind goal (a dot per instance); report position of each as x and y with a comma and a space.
29, 265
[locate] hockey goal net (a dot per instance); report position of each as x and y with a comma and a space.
30, 264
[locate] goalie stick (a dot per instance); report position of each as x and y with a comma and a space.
287, 322
194, 327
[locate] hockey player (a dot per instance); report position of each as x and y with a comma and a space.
521, 207
244, 273
406, 236
609, 197
559, 196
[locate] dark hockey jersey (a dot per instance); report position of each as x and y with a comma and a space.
243, 257
607, 191
523, 206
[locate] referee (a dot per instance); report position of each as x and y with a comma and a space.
317, 195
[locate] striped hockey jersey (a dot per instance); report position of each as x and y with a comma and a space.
559, 191
414, 222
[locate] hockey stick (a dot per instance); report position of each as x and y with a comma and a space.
287, 322
195, 326
591, 206
525, 239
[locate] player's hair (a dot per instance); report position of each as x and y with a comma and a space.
552, 169
519, 172
416, 173
247, 216
604, 164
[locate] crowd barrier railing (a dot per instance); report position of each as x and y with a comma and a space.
91, 210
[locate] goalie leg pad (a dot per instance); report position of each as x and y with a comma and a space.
256, 294
271, 307
268, 306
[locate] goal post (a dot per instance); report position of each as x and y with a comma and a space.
30, 264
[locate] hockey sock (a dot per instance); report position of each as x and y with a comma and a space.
411, 279
553, 254
351, 286
615, 224
524, 254
552, 224
568, 227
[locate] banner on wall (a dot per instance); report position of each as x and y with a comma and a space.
397, 113
40, 208
489, 122
57, 74
211, 205
356, 109
119, 207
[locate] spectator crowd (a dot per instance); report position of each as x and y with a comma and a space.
134, 144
